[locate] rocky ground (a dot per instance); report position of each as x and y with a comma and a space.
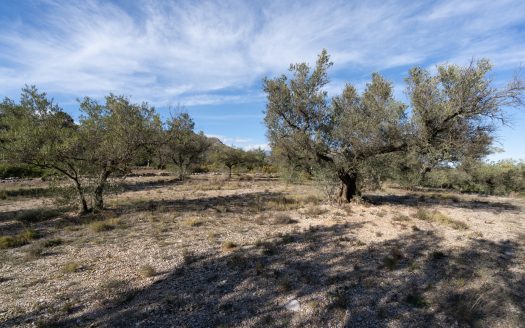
261, 253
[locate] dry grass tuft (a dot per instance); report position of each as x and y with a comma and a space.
147, 271
20, 239
315, 211
228, 246
401, 218
283, 219
70, 267
438, 217
193, 222
105, 225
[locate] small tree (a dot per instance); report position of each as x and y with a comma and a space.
255, 158
113, 135
230, 157
183, 146
454, 114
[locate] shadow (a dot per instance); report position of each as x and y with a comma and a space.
337, 280
30, 192
426, 200
238, 203
149, 185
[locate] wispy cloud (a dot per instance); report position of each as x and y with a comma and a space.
187, 52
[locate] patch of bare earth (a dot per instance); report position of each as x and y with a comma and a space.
260, 253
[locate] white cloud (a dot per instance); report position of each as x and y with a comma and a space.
187, 52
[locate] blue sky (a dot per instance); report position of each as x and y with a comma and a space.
211, 56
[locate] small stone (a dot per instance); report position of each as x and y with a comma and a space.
293, 306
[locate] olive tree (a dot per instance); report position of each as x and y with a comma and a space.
452, 115
183, 146
38, 132
107, 138
230, 157
113, 134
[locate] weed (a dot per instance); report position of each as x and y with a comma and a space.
228, 246
237, 261
261, 219
438, 217
188, 257
259, 268
400, 218
284, 284
193, 222
105, 225
283, 219
28, 217
269, 248
212, 236
52, 242
70, 267
20, 239
287, 238
147, 271
437, 255
315, 211
476, 306
113, 284
416, 299
391, 261
35, 251
360, 243
67, 307
381, 213
338, 298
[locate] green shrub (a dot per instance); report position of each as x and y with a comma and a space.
499, 178
21, 171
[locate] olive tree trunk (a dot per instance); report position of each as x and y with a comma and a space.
182, 172
83, 208
99, 190
348, 186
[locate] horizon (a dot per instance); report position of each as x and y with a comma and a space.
210, 57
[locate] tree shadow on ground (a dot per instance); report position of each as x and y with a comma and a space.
416, 200
337, 279
43, 219
249, 202
149, 185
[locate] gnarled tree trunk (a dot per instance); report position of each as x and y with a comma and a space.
83, 208
99, 190
348, 186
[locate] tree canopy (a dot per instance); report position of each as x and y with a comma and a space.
106, 140
452, 116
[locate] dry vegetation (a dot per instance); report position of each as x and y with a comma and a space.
260, 253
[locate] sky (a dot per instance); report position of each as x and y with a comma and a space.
210, 57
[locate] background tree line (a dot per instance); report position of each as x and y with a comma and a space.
37, 137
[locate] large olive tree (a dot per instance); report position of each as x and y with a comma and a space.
451, 116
